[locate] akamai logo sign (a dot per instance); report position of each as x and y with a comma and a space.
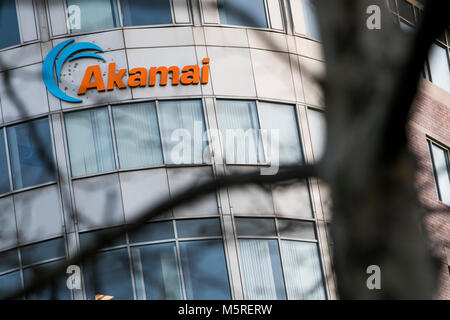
93, 78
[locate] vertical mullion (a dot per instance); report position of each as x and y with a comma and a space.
163, 149
19, 22
180, 267
119, 12
8, 160
281, 259
113, 137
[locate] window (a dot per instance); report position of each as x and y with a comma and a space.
183, 131
293, 272
92, 15
281, 119
90, 143
144, 12
311, 24
85, 16
157, 272
250, 13
239, 127
317, 129
31, 153
441, 171
137, 135
9, 21
439, 66
4, 171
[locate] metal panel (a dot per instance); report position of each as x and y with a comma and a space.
273, 75
27, 20
158, 37
8, 230
210, 11
108, 40
309, 48
28, 87
143, 190
219, 36
98, 202
276, 20
57, 17
311, 70
297, 17
181, 11
28, 54
156, 57
38, 213
182, 178
72, 74
292, 201
267, 40
296, 77
231, 72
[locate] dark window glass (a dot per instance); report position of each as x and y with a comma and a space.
296, 229
4, 172
56, 290
8, 24
156, 273
144, 12
31, 154
87, 238
92, 15
405, 10
441, 170
109, 274
43, 251
9, 260
9, 283
198, 228
392, 5
255, 227
204, 270
250, 13
153, 232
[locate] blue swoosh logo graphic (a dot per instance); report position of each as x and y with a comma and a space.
56, 59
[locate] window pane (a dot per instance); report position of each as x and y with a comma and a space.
8, 21
26, 153
92, 15
249, 13
296, 229
9, 260
137, 135
43, 251
198, 228
9, 283
183, 130
405, 10
261, 269
317, 129
153, 232
204, 270
86, 238
281, 118
439, 67
309, 14
56, 290
303, 272
109, 274
4, 171
144, 12
156, 272
255, 227
239, 127
441, 167
90, 143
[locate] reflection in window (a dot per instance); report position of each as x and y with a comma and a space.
137, 135
9, 283
56, 290
31, 153
249, 13
4, 171
239, 127
309, 14
108, 273
156, 273
317, 129
144, 12
42, 251
282, 119
92, 15
9, 24
204, 270
183, 130
302, 270
90, 143
261, 268
439, 66
441, 170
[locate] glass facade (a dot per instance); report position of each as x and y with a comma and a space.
9, 21
250, 13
